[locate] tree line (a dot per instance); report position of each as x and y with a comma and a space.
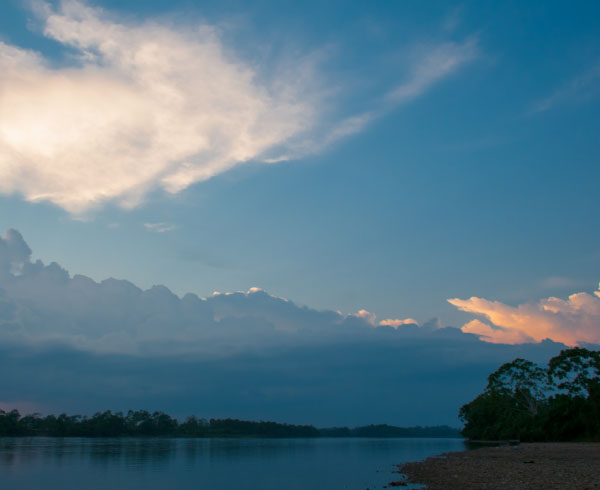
142, 423
529, 402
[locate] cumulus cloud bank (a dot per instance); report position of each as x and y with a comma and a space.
151, 105
573, 321
76, 345
41, 304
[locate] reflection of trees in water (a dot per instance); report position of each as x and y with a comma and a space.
140, 452
24, 451
7, 451
201, 454
132, 452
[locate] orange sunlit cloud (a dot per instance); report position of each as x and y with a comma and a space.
395, 322
572, 321
371, 319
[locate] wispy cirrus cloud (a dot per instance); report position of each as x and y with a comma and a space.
433, 64
429, 64
581, 88
572, 321
146, 105
159, 227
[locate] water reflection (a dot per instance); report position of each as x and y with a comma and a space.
130, 452
215, 464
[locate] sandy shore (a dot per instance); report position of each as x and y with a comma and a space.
543, 466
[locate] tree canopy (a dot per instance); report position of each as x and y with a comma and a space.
522, 400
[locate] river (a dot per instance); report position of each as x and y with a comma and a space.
209, 464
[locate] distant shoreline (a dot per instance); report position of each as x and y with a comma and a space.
141, 423
531, 466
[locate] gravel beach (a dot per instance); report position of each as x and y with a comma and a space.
543, 466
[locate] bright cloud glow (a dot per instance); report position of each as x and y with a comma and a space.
144, 105
572, 321
395, 323
151, 105
371, 319
367, 316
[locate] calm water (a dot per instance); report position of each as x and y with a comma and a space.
208, 464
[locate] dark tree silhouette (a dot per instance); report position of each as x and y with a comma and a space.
142, 423
525, 401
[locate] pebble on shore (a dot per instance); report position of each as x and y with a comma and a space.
535, 466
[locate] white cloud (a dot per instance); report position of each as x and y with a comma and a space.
43, 303
144, 105
150, 105
273, 355
572, 321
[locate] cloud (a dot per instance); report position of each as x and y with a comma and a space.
560, 282
14, 252
454, 18
41, 304
395, 323
496, 335
159, 227
367, 316
347, 383
149, 105
142, 105
73, 344
572, 322
429, 65
371, 319
432, 65
579, 89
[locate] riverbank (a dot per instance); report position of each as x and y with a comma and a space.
535, 466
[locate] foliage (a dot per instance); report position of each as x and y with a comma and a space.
159, 424
140, 423
384, 430
528, 402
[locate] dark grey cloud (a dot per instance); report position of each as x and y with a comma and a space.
70, 343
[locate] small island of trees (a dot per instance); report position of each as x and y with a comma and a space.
528, 402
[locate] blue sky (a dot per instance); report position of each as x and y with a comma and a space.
431, 151
354, 178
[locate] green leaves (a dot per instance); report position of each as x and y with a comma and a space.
526, 401
575, 371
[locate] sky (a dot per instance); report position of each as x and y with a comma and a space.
391, 163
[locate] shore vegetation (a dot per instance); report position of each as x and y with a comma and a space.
529, 402
142, 423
